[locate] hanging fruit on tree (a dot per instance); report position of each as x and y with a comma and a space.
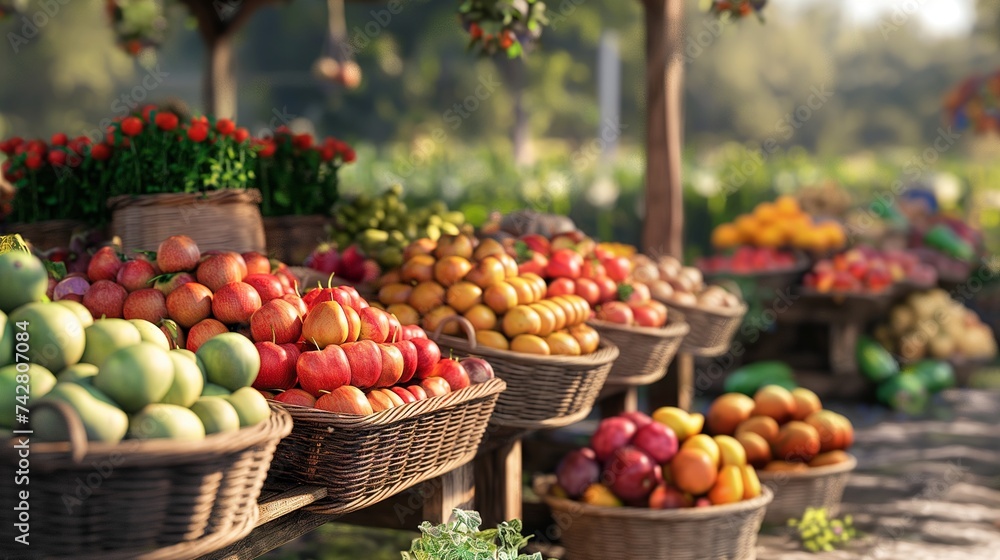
506, 26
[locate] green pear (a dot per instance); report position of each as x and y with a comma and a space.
136, 376
188, 381
102, 421
158, 421
77, 373
149, 332
106, 336
250, 405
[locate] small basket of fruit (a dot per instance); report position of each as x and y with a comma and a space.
644, 352
376, 408
799, 449
668, 494
714, 313
131, 455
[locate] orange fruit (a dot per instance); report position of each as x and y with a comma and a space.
766, 213
726, 236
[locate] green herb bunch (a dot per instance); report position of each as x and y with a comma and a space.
821, 534
462, 540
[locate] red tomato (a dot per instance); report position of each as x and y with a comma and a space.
536, 264
588, 290
646, 316
618, 268
564, 263
640, 294
593, 269
608, 288
560, 287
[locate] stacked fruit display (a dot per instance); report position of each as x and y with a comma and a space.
663, 462
508, 310
750, 260
381, 227
931, 324
866, 270
345, 356
782, 430
683, 285
120, 377
781, 223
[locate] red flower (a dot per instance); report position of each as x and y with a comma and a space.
327, 153
33, 161
225, 127
349, 155
303, 141
37, 147
132, 126
202, 119
166, 121
507, 40
475, 32
146, 111
83, 140
197, 132
57, 158
59, 139
241, 135
266, 150
100, 152
282, 130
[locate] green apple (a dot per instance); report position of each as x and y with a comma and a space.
136, 376
217, 414
169, 421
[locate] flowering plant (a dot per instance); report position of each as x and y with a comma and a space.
137, 24
297, 176
508, 26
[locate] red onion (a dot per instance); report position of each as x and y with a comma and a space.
70, 285
479, 370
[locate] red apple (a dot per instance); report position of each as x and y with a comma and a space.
323, 370
177, 253
297, 397
148, 304
104, 265
435, 386
428, 355
266, 394
203, 331
167, 283
235, 303
365, 359
276, 321
640, 419
267, 286
631, 474
359, 302
395, 329
218, 270
408, 351
588, 290
668, 497
657, 441
374, 324
296, 301
564, 263
560, 287
607, 288
646, 316
537, 243
326, 324
578, 470
616, 312
414, 331
353, 323
135, 275
479, 370
189, 304
392, 365
277, 366
396, 399
381, 401
403, 394
105, 299
256, 263
345, 400
418, 392
612, 434
453, 372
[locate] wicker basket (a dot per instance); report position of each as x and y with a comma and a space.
226, 219
601, 533
47, 234
542, 391
366, 459
148, 500
291, 239
712, 330
819, 487
645, 352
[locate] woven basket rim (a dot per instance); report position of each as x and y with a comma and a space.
398, 413
670, 330
725, 312
606, 353
543, 483
815, 472
57, 455
176, 199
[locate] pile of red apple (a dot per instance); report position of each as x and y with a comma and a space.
746, 260
867, 270
572, 263
350, 264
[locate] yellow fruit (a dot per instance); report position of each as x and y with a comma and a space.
696, 422
492, 339
787, 206
674, 418
728, 488
726, 236
563, 344
530, 344
766, 213
747, 226
770, 235
751, 483
600, 495
731, 451
706, 444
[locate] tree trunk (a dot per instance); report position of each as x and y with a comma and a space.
663, 226
219, 83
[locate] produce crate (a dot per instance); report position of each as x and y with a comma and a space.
363, 460
645, 352
598, 533
147, 500
794, 492
542, 391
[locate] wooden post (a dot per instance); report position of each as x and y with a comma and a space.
663, 227
498, 484
454, 489
626, 400
677, 388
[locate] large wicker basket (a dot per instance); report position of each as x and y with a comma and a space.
291, 239
819, 487
711, 330
644, 353
542, 391
47, 234
148, 500
600, 533
366, 459
226, 219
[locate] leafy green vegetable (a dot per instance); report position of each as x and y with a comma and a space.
463, 540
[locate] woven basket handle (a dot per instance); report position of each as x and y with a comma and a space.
463, 323
77, 433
